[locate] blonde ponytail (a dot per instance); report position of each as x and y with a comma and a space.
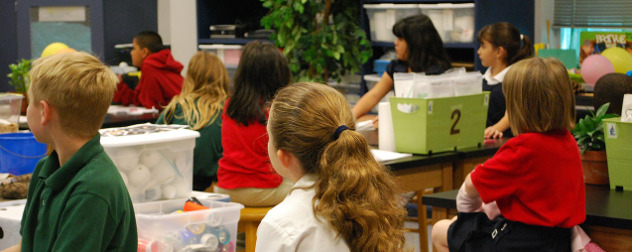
354, 193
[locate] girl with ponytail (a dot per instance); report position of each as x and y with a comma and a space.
501, 46
342, 199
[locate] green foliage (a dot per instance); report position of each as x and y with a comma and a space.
20, 75
321, 39
589, 131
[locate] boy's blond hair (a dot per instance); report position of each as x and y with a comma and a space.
539, 96
78, 87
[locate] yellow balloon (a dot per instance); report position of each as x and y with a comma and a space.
52, 48
620, 58
65, 50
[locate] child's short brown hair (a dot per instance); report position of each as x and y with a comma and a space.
78, 87
539, 96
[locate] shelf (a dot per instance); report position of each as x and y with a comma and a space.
227, 41
417, 1
446, 45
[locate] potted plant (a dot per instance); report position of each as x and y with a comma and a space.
590, 139
322, 40
19, 79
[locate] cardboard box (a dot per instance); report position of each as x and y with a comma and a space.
426, 126
618, 136
155, 161
162, 227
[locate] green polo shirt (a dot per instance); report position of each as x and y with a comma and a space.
80, 206
208, 147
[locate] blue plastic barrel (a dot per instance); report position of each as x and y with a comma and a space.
20, 152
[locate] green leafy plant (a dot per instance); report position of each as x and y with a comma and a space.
589, 131
20, 75
321, 39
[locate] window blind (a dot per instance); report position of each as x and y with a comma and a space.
592, 13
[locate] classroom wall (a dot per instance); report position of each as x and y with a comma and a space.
8, 45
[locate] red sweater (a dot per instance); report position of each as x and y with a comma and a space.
535, 179
245, 161
159, 82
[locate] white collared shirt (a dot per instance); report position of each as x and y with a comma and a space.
498, 78
292, 226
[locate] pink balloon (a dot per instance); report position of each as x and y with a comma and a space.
595, 66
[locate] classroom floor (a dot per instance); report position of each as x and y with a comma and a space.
412, 239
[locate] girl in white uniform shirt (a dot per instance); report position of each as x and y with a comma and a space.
342, 199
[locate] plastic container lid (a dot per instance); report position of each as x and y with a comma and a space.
446, 6
153, 133
219, 47
390, 6
10, 96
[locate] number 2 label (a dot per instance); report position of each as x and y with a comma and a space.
454, 130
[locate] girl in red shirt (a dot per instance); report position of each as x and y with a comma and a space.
535, 178
244, 171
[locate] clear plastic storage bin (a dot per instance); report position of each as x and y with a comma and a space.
10, 106
383, 16
163, 226
454, 22
229, 54
155, 161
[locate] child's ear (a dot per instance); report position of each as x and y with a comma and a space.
501, 53
145, 52
46, 112
286, 158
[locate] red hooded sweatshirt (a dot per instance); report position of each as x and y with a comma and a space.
159, 82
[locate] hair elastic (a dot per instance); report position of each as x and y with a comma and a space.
521, 37
339, 130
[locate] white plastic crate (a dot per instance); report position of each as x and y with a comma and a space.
162, 226
454, 22
383, 16
155, 161
229, 54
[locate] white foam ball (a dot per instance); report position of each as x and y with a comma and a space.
140, 175
126, 159
150, 158
163, 172
182, 189
168, 192
153, 193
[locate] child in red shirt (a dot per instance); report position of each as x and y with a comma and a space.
244, 170
535, 178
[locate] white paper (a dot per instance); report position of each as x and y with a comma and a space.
382, 155
386, 135
626, 108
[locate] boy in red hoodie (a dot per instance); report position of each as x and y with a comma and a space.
160, 79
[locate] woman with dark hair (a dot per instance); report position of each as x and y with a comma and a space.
244, 169
419, 49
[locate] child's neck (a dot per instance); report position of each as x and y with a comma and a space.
67, 146
497, 68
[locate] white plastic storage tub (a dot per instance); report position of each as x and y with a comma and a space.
383, 16
163, 226
229, 54
155, 161
454, 22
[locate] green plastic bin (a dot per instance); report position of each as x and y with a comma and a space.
618, 137
426, 126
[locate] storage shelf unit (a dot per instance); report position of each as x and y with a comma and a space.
519, 13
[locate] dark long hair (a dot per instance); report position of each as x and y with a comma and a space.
262, 70
425, 46
507, 36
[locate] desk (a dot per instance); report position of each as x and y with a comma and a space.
115, 120
417, 173
471, 157
608, 215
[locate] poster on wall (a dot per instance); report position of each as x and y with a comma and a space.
597, 42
